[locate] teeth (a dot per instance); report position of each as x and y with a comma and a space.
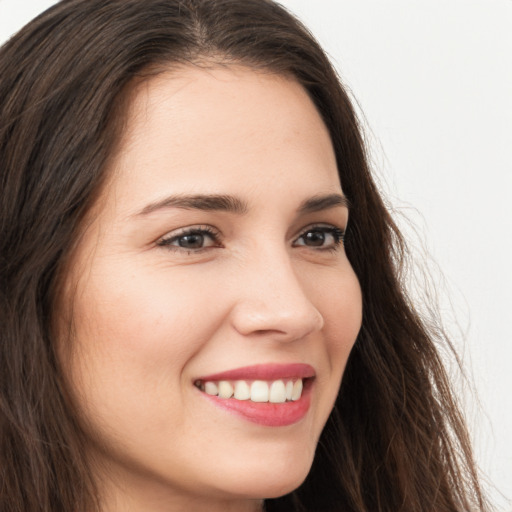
225, 389
276, 391
289, 390
211, 388
242, 390
297, 390
259, 391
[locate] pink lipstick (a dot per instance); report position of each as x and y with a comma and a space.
265, 372
267, 394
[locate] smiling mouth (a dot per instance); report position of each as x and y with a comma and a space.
278, 402
259, 391
266, 393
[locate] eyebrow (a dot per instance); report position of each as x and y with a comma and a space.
323, 202
207, 202
232, 204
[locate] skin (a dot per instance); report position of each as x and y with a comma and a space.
148, 320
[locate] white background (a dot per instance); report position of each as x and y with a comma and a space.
434, 80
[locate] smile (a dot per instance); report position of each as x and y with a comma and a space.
276, 392
271, 395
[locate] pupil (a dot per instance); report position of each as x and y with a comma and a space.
315, 238
192, 241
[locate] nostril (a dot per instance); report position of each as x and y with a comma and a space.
288, 321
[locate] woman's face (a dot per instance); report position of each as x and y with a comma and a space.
212, 264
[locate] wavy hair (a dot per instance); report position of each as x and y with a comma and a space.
395, 441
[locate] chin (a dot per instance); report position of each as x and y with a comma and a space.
272, 478
276, 489
266, 488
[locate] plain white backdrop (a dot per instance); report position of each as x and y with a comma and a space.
434, 80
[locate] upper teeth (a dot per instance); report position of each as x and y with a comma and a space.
277, 391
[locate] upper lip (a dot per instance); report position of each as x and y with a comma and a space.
271, 371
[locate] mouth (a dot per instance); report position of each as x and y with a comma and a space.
258, 391
270, 395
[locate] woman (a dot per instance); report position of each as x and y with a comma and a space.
179, 300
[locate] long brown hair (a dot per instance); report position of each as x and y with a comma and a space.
395, 439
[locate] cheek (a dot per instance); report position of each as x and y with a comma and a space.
143, 315
343, 322
133, 337
341, 308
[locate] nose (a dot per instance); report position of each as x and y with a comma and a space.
272, 302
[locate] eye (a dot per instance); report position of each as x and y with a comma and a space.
321, 237
191, 239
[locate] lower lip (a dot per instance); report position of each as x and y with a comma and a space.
266, 413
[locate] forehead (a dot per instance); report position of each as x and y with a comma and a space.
221, 130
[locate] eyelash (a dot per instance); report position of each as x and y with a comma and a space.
337, 234
204, 231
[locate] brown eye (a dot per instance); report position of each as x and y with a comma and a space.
193, 239
314, 238
321, 237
